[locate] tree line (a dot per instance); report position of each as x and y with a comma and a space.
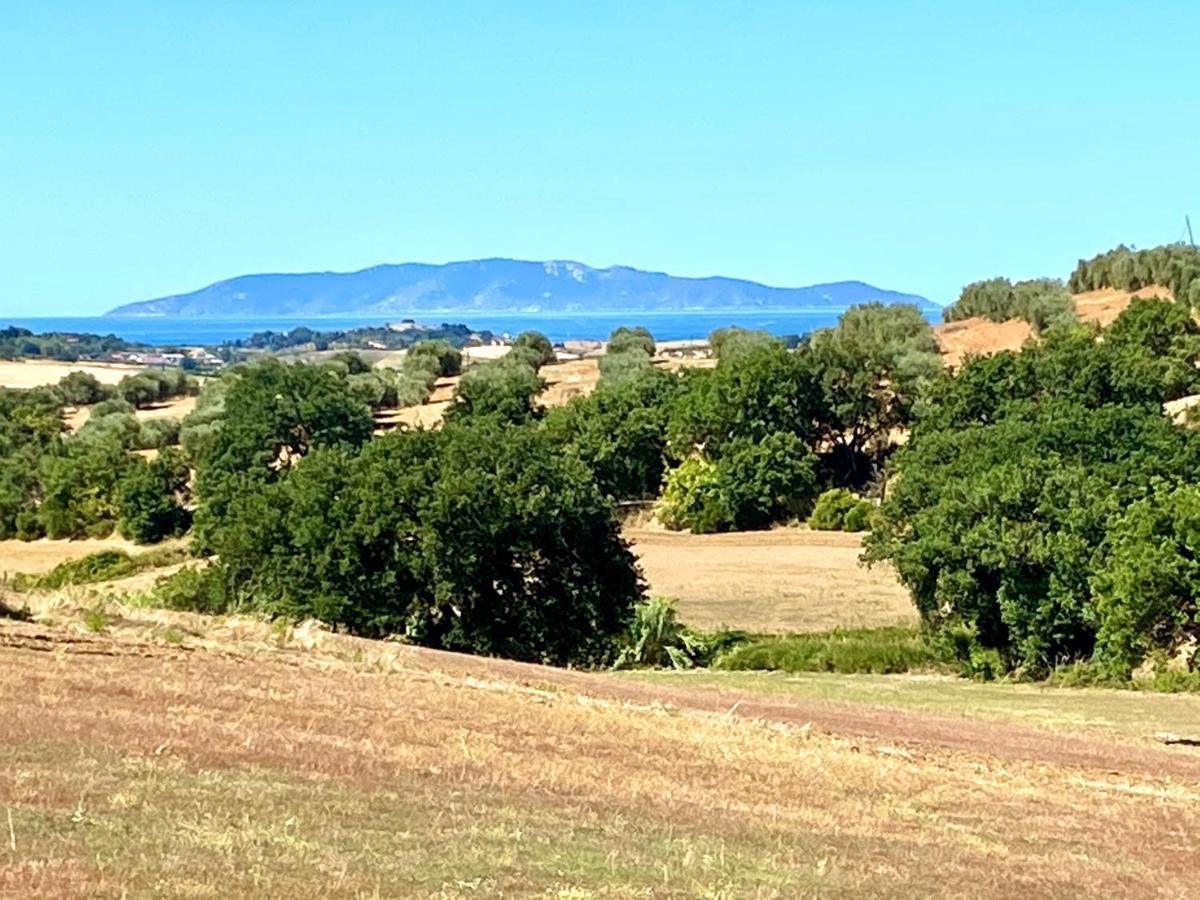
1173, 266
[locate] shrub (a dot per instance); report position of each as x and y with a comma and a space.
153, 499
534, 347
505, 389
692, 498
110, 407
201, 590
832, 509
858, 517
158, 433
631, 340
1147, 591
438, 358
657, 640
768, 481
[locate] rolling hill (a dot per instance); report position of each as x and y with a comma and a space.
498, 285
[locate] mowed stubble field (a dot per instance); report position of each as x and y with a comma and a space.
31, 373
152, 762
786, 579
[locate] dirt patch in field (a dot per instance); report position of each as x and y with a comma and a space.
788, 579
979, 336
565, 380
178, 408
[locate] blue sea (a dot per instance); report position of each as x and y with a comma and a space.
667, 326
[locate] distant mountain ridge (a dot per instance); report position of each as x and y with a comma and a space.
499, 285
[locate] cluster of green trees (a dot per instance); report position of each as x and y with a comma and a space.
1043, 508
497, 532
1174, 266
358, 338
90, 483
480, 536
1041, 302
17, 343
755, 439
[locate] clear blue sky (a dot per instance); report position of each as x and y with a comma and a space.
150, 148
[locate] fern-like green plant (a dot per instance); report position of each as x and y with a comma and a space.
657, 639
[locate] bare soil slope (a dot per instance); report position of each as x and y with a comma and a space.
978, 335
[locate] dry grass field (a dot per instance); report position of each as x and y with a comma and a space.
34, 373
788, 579
172, 758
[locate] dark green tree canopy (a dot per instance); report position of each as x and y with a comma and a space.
748, 396
480, 537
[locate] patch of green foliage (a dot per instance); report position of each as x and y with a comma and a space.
880, 651
391, 338
96, 619
657, 640
504, 389
481, 536
619, 432
629, 354
16, 343
152, 386
840, 510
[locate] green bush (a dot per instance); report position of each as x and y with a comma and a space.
201, 590
505, 389
438, 358
657, 640
636, 340
110, 407
156, 434
887, 650
692, 498
1041, 302
840, 510
534, 347
153, 498
83, 389
858, 517
103, 565
752, 485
